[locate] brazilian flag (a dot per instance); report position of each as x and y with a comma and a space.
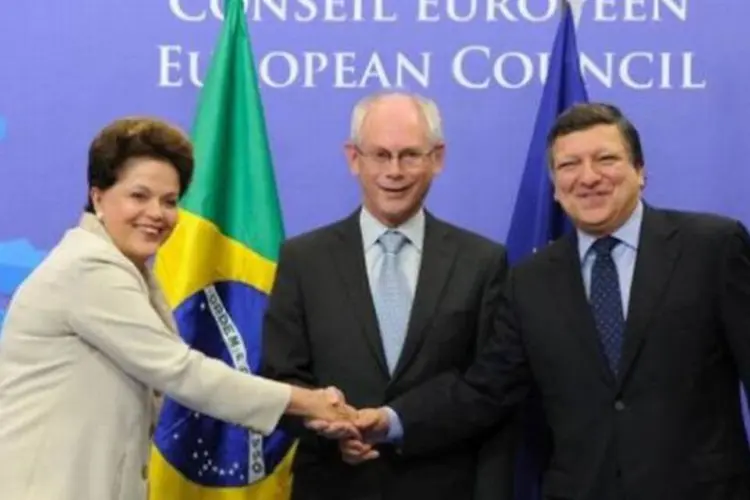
217, 270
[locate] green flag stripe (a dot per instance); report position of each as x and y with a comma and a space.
234, 185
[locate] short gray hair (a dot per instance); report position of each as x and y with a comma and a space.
428, 107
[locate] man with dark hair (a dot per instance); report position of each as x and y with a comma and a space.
635, 328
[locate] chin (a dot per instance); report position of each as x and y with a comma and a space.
399, 216
144, 254
596, 214
595, 226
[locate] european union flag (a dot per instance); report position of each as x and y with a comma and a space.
538, 219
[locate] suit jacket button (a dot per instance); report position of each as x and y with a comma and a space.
144, 472
619, 405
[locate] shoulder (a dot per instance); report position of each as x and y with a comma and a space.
318, 241
471, 244
79, 262
86, 249
699, 228
92, 261
699, 224
67, 258
709, 236
535, 270
322, 233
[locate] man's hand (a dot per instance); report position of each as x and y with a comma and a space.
358, 437
355, 452
373, 425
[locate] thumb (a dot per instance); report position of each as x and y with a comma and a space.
366, 418
334, 395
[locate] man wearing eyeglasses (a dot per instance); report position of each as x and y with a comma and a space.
382, 301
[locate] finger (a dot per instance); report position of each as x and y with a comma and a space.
333, 430
317, 425
347, 413
341, 430
353, 433
346, 430
354, 447
354, 458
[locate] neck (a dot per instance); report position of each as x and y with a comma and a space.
609, 229
393, 222
140, 264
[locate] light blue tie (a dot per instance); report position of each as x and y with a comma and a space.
392, 298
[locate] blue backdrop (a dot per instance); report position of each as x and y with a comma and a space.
679, 68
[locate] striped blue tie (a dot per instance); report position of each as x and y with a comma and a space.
392, 297
606, 301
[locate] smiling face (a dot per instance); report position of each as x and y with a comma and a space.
394, 159
595, 179
139, 211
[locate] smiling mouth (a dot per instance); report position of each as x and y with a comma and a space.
395, 190
150, 230
593, 195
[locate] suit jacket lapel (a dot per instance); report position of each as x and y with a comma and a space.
438, 256
658, 249
569, 289
349, 260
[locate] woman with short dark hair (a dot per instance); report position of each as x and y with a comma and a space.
88, 340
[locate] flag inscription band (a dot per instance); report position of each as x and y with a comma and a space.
236, 347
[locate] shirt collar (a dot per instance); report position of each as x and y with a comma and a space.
629, 233
372, 229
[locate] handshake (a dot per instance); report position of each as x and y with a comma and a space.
326, 412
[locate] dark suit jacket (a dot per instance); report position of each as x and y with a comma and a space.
670, 427
321, 330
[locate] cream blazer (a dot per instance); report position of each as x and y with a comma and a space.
87, 342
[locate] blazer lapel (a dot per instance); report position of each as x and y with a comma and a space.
568, 282
159, 302
658, 249
349, 260
438, 255
90, 223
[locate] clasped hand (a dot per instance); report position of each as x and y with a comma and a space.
357, 431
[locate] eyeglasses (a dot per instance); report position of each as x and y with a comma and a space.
407, 157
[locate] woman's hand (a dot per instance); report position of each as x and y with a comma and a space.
324, 410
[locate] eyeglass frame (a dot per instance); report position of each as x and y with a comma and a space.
417, 157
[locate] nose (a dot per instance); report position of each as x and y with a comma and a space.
155, 210
393, 167
589, 173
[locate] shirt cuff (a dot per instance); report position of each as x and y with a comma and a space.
395, 429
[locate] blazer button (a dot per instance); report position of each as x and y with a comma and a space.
151, 430
144, 472
619, 405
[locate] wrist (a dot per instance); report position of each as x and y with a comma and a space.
300, 402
